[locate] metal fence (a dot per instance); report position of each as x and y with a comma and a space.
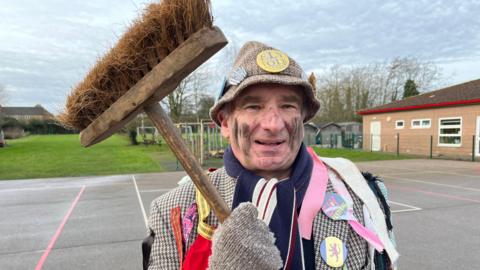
202, 138
464, 147
351, 141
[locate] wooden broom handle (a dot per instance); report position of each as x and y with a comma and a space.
188, 160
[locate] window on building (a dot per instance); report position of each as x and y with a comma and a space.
450, 131
399, 124
421, 123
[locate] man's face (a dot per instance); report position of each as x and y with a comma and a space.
265, 128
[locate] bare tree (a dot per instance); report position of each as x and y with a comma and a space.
329, 87
399, 70
187, 101
206, 102
343, 90
184, 100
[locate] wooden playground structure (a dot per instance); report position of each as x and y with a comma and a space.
203, 138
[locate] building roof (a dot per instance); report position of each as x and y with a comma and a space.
456, 95
311, 125
330, 124
37, 110
342, 124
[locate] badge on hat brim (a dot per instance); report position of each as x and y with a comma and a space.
333, 251
221, 90
236, 76
272, 61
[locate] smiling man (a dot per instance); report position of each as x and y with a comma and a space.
291, 209
265, 128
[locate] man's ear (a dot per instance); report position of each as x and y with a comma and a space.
224, 127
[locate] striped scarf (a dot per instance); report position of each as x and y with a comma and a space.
283, 221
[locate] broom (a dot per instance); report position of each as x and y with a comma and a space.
161, 48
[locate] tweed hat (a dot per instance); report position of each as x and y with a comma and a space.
259, 63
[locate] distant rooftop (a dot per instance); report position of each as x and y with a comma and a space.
456, 95
36, 110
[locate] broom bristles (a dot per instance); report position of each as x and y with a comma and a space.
161, 29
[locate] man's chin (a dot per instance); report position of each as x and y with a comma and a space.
271, 163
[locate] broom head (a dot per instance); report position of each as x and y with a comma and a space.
161, 29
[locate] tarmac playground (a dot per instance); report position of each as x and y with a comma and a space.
99, 222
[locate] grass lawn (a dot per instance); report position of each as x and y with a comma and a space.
62, 155
46, 156
358, 155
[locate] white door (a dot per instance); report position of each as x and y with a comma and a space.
477, 138
375, 131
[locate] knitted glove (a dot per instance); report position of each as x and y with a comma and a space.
244, 242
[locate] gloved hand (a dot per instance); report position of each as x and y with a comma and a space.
244, 242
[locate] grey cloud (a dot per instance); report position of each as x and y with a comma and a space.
51, 44
374, 29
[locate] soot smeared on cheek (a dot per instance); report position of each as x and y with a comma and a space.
241, 133
295, 129
235, 132
245, 135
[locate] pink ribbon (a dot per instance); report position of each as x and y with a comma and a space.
313, 200
363, 232
366, 234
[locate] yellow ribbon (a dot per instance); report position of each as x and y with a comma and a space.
203, 208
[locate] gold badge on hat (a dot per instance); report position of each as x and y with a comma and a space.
272, 61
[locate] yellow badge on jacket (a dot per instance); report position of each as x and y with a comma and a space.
272, 61
333, 251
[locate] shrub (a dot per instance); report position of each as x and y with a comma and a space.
132, 134
12, 128
36, 126
8, 122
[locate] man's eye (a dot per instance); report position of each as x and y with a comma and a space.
252, 107
289, 106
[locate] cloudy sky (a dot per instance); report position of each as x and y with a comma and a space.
47, 46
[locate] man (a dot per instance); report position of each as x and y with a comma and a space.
291, 210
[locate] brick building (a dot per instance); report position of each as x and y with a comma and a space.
26, 113
444, 122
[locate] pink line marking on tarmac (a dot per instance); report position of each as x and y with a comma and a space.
58, 232
434, 193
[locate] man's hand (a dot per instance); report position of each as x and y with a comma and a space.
244, 242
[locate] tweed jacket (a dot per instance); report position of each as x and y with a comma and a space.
164, 251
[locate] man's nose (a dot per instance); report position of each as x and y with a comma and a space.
272, 120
